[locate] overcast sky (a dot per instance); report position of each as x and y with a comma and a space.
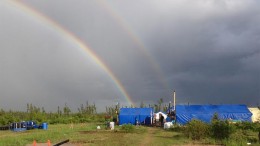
206, 50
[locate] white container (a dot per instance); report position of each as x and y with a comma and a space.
112, 125
167, 125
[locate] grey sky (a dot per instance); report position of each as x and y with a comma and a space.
207, 50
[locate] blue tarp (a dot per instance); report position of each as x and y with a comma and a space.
132, 115
186, 113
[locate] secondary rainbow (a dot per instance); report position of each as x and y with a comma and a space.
130, 32
75, 40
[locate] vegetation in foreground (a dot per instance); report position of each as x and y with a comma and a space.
87, 134
221, 132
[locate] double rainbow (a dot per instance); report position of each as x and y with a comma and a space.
69, 36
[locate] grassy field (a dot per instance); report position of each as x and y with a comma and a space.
87, 135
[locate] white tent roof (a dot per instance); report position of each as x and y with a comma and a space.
163, 114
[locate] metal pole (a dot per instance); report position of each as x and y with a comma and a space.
174, 102
60, 143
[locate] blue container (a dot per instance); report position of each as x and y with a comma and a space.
44, 126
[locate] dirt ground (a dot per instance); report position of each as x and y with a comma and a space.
148, 138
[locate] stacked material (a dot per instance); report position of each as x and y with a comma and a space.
256, 114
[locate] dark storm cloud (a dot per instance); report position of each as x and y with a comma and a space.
207, 50
213, 67
205, 47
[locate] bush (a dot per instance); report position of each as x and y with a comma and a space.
248, 126
238, 136
127, 128
197, 130
221, 129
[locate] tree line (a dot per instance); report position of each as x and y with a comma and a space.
85, 113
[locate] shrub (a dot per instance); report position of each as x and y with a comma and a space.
215, 117
221, 129
238, 136
127, 128
248, 126
197, 129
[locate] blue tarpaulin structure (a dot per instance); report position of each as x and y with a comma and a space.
134, 115
185, 113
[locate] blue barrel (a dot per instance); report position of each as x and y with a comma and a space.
44, 126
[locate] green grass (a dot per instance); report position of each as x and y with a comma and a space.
87, 135
55, 133
166, 137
